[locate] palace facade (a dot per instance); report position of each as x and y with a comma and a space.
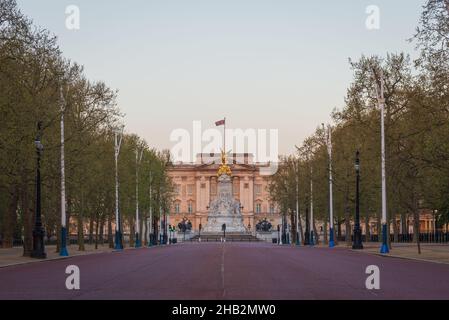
196, 187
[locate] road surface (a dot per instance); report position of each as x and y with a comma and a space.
227, 271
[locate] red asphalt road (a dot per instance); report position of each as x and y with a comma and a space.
227, 271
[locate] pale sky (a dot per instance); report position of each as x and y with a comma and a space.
262, 64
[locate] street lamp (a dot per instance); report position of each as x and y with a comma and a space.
200, 226
311, 206
139, 154
150, 225
63, 251
118, 228
357, 244
381, 102
331, 205
38, 231
165, 238
161, 226
296, 166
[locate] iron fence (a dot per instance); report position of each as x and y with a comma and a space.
430, 237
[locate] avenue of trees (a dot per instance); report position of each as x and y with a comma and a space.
416, 131
35, 82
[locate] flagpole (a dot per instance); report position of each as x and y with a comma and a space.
224, 136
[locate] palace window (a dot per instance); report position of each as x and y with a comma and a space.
258, 207
177, 189
190, 207
213, 186
190, 189
258, 189
271, 208
236, 186
177, 207
184, 191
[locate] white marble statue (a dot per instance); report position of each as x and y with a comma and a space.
224, 209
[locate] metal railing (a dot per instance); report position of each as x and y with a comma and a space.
430, 237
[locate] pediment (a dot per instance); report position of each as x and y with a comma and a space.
234, 167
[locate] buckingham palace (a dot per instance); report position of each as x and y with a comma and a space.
196, 187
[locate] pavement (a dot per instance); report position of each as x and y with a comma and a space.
438, 253
14, 256
223, 271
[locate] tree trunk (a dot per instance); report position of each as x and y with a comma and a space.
144, 230
395, 230
326, 240
80, 232
97, 223
132, 232
338, 229
67, 221
404, 224
367, 229
110, 238
10, 219
347, 218
301, 230
416, 229
101, 236
28, 219
91, 229
80, 225
379, 226
293, 224
317, 235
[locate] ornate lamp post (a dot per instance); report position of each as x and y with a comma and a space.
160, 225
381, 101
38, 231
331, 205
118, 228
150, 225
165, 238
63, 251
312, 241
296, 166
357, 244
139, 154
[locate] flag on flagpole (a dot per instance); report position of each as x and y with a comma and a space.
220, 122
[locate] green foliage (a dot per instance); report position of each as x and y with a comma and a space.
416, 133
33, 75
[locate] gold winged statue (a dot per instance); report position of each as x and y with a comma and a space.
224, 168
